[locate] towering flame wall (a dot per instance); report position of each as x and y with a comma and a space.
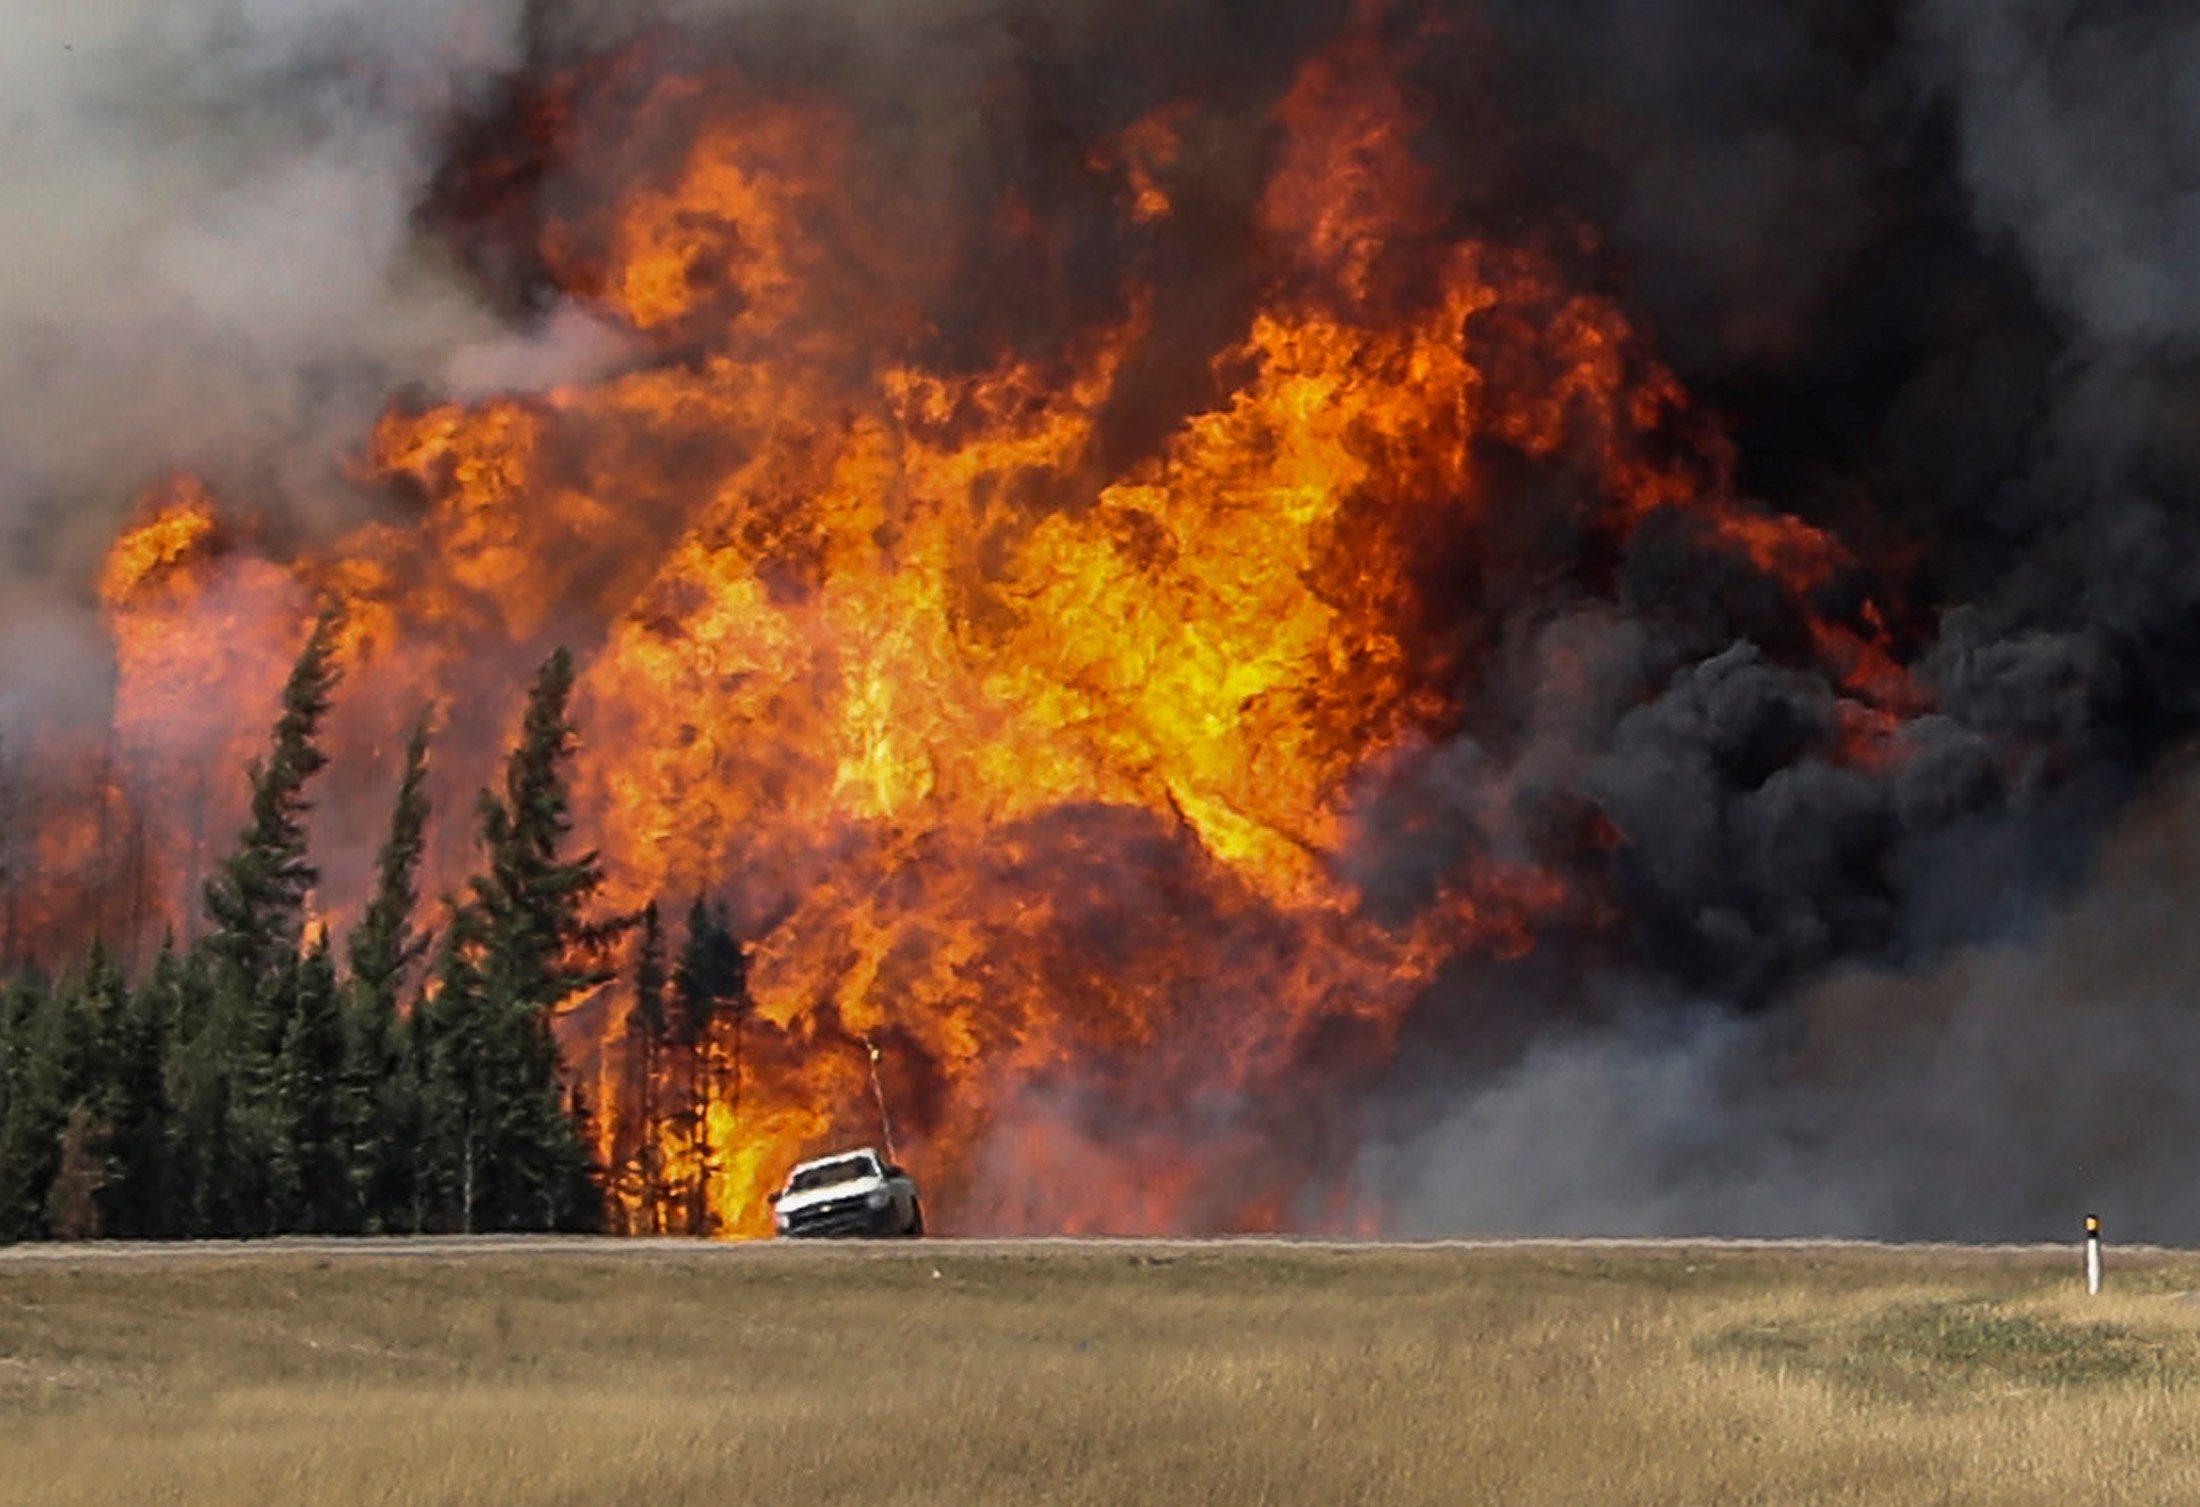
1040, 706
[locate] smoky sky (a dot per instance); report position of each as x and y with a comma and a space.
1931, 264
207, 215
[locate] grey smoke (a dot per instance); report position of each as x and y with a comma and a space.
1999, 1094
2079, 141
207, 221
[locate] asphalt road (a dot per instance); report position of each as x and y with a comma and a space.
466, 1246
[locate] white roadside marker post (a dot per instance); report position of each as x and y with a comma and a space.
2093, 1254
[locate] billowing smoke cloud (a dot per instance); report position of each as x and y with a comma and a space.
1984, 318
2000, 1093
208, 221
1867, 237
2078, 141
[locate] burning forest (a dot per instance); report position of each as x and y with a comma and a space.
1227, 598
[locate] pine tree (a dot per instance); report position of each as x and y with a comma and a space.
256, 901
135, 1203
198, 1084
35, 1090
246, 1175
384, 945
315, 1180
451, 1031
123, 1089
541, 949
710, 990
250, 1176
60, 1048
379, 1106
508, 1152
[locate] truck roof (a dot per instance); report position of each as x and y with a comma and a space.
838, 1156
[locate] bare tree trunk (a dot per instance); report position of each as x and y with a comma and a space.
652, 1180
698, 1189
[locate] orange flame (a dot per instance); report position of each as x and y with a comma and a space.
1041, 776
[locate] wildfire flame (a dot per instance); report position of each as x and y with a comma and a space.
1038, 768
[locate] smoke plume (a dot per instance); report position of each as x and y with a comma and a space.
209, 225
1994, 1094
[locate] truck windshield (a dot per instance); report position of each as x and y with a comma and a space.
826, 1174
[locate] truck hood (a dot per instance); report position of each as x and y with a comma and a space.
853, 1188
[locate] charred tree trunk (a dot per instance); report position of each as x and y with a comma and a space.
700, 1078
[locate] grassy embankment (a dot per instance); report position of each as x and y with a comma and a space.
927, 1374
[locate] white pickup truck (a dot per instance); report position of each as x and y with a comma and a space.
851, 1193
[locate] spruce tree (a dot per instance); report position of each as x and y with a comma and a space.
102, 1004
384, 945
541, 949
407, 1201
58, 1074
36, 1089
379, 1108
246, 1174
522, 946
458, 1125
197, 1078
256, 901
251, 1177
242, 1088
136, 1200
124, 1092
315, 1178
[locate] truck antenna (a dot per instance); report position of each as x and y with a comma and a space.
878, 1091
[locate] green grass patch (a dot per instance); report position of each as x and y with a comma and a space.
1963, 1346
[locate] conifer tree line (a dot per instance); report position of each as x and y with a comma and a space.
263, 1080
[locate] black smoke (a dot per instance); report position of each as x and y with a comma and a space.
1932, 262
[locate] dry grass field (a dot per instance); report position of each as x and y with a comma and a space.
1114, 1374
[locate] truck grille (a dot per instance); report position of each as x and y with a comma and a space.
838, 1217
